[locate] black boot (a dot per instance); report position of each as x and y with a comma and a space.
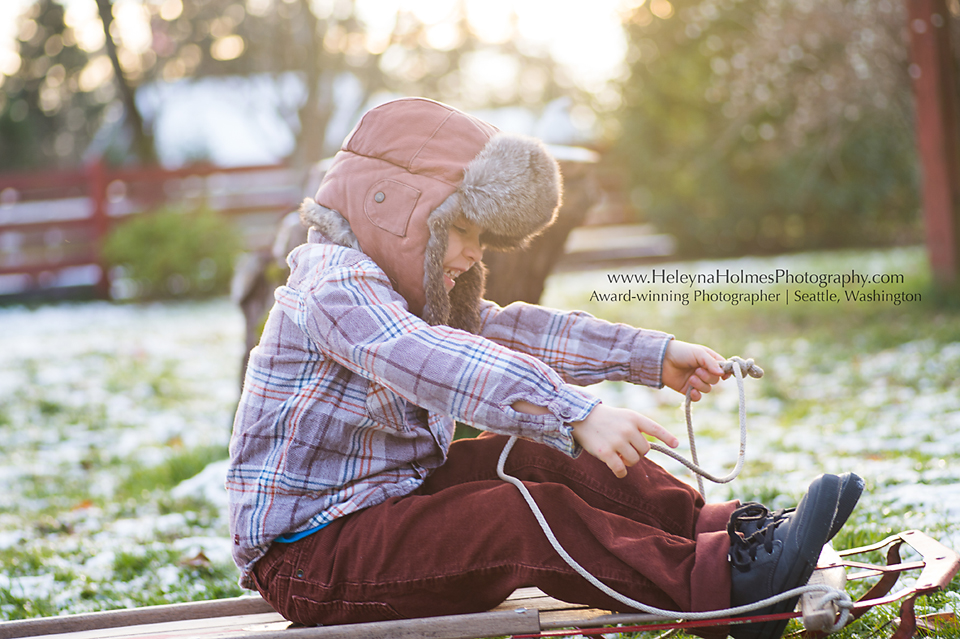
771, 557
753, 516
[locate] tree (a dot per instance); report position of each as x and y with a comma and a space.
143, 147
765, 125
51, 104
325, 44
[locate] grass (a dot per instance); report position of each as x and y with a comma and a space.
177, 467
102, 417
95, 442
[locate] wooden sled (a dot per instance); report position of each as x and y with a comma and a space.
527, 613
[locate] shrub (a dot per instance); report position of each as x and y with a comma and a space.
755, 127
172, 253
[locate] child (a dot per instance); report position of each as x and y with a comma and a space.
348, 501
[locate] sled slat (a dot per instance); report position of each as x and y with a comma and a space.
272, 626
246, 605
239, 626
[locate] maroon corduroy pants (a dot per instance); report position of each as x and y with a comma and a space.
466, 539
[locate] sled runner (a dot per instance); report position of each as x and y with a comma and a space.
529, 613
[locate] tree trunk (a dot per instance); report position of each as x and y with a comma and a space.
142, 141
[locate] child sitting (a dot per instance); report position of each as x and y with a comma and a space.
349, 501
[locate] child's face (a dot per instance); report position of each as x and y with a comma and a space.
463, 251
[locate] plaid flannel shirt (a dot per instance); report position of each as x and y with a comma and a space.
349, 399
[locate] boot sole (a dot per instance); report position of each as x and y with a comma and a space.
851, 487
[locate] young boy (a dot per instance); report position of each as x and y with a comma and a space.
348, 501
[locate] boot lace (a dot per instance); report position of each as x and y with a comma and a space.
752, 526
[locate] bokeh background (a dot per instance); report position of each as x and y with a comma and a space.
736, 126
151, 152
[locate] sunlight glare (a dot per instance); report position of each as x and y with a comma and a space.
430, 12
380, 16
227, 48
171, 9
491, 20
133, 23
589, 43
83, 20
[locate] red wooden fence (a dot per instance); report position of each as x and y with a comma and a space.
53, 223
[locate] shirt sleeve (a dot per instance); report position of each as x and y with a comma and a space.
583, 349
354, 317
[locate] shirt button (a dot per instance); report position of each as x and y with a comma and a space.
379, 197
299, 574
566, 413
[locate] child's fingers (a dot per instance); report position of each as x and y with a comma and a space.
716, 364
651, 427
616, 436
703, 380
614, 462
631, 454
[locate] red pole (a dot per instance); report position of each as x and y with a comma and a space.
934, 86
100, 223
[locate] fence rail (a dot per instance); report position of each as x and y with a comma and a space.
53, 223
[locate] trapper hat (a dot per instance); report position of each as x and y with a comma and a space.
408, 170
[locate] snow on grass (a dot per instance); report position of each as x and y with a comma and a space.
115, 421
104, 410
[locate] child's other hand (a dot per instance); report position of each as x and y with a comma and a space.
691, 365
615, 436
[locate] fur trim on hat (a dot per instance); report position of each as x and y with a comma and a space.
511, 189
331, 224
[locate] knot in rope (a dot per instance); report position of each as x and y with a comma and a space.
747, 367
842, 601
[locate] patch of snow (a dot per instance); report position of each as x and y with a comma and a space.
209, 484
219, 550
29, 587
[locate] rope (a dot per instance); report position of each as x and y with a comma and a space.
739, 367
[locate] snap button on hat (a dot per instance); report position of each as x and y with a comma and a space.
379, 197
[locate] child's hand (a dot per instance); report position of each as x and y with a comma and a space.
615, 436
691, 365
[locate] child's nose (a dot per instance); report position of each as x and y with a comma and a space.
473, 251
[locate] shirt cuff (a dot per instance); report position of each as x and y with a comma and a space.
646, 362
570, 405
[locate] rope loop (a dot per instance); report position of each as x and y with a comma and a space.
738, 367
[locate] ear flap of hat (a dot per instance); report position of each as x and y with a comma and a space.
436, 310
461, 307
330, 223
465, 299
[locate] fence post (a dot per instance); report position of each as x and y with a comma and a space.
100, 222
934, 87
